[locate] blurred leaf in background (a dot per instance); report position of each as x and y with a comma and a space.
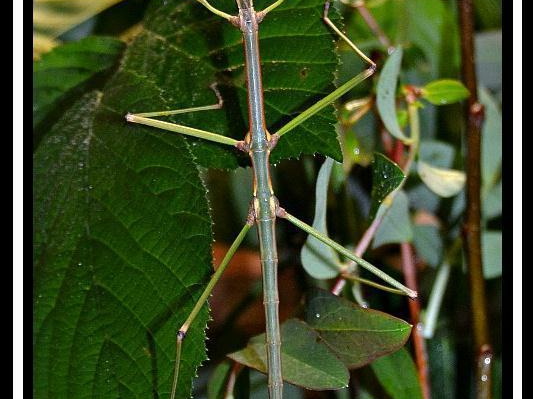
52, 18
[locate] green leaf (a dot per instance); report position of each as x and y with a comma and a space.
56, 17
318, 259
489, 13
307, 362
492, 253
444, 182
355, 334
444, 91
386, 177
386, 94
397, 374
396, 226
428, 243
52, 18
432, 27
111, 281
68, 69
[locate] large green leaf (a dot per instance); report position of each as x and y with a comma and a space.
355, 334
112, 281
69, 67
306, 360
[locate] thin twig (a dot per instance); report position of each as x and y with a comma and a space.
371, 22
409, 271
373, 25
230, 384
472, 224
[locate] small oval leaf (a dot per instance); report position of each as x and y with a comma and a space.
386, 94
355, 334
386, 177
307, 362
444, 182
444, 91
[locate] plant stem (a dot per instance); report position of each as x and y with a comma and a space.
435, 299
361, 248
439, 288
230, 385
373, 25
409, 271
472, 224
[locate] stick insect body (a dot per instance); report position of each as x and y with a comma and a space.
264, 209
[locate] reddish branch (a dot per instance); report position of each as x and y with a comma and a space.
373, 24
472, 224
419, 344
230, 384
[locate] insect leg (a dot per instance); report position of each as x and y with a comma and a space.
182, 332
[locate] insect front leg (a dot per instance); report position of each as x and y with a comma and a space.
147, 118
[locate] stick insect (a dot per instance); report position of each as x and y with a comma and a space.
264, 208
